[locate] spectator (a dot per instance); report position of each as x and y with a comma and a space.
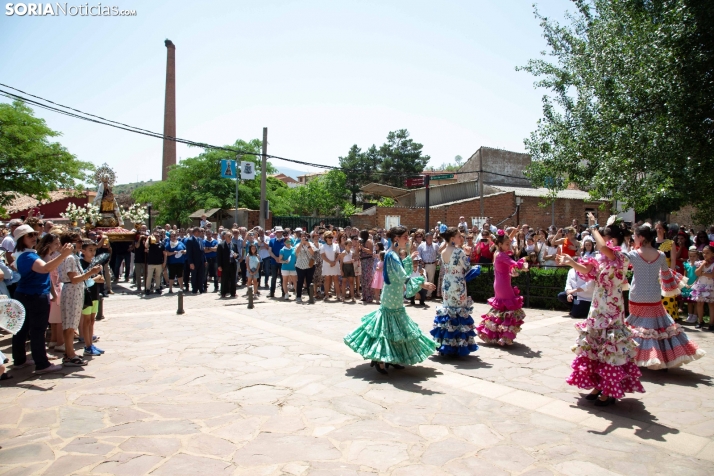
47, 249
417, 272
210, 248
275, 245
264, 254
578, 294
588, 250
175, 253
305, 264
196, 260
73, 296
33, 292
226, 259
463, 226
483, 248
91, 301
140, 258
569, 245
700, 241
8, 243
121, 255
103, 246
252, 263
330, 254
154, 262
549, 253
427, 252
287, 260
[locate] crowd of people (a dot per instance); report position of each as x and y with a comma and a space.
51, 272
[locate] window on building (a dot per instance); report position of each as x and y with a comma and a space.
391, 220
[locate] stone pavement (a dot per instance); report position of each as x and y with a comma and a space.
224, 390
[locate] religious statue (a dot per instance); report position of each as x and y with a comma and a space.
108, 207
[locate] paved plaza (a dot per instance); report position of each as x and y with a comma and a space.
224, 390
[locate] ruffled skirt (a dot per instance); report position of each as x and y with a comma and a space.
662, 343
702, 291
612, 380
390, 336
453, 330
503, 321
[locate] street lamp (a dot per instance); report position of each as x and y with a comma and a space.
148, 206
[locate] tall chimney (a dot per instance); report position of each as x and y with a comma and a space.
169, 110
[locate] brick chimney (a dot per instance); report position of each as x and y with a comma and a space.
169, 157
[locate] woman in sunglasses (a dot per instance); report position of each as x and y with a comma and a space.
33, 292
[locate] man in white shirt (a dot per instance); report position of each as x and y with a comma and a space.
8, 243
463, 226
428, 252
578, 294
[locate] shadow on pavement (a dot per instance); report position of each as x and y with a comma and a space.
407, 379
679, 376
626, 413
469, 362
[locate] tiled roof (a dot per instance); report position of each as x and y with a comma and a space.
543, 192
25, 202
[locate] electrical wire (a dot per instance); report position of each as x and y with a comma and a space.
78, 114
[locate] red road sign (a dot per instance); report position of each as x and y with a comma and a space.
414, 182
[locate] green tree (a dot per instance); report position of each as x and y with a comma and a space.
196, 183
630, 113
29, 163
324, 195
401, 157
353, 166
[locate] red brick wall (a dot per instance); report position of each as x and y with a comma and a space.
565, 210
497, 207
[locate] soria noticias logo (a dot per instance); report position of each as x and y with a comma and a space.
65, 9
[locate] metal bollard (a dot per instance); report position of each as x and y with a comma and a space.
180, 303
311, 293
250, 298
100, 310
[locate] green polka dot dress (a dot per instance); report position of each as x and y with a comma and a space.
388, 334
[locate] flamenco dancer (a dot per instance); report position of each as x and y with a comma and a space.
506, 316
605, 347
662, 343
453, 326
388, 336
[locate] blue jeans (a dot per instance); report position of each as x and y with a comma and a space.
37, 315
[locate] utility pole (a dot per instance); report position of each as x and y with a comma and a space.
263, 178
480, 179
426, 185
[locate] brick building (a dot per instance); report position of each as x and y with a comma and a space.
500, 167
49, 208
500, 207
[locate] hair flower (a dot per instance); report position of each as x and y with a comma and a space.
500, 232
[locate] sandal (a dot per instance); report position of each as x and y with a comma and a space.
75, 361
6, 377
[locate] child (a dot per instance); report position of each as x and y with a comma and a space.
287, 258
91, 302
70, 273
532, 260
358, 266
252, 264
378, 280
348, 271
47, 249
417, 272
703, 289
690, 268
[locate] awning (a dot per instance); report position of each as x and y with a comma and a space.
384, 190
209, 213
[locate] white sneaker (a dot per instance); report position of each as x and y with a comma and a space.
286, 297
51, 368
691, 318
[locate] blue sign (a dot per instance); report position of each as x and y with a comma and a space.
228, 168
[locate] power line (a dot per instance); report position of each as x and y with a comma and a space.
78, 114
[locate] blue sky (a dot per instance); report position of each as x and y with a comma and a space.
321, 75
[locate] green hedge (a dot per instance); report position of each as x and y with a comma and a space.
539, 286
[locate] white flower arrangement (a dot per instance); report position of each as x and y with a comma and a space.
73, 213
91, 213
135, 214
